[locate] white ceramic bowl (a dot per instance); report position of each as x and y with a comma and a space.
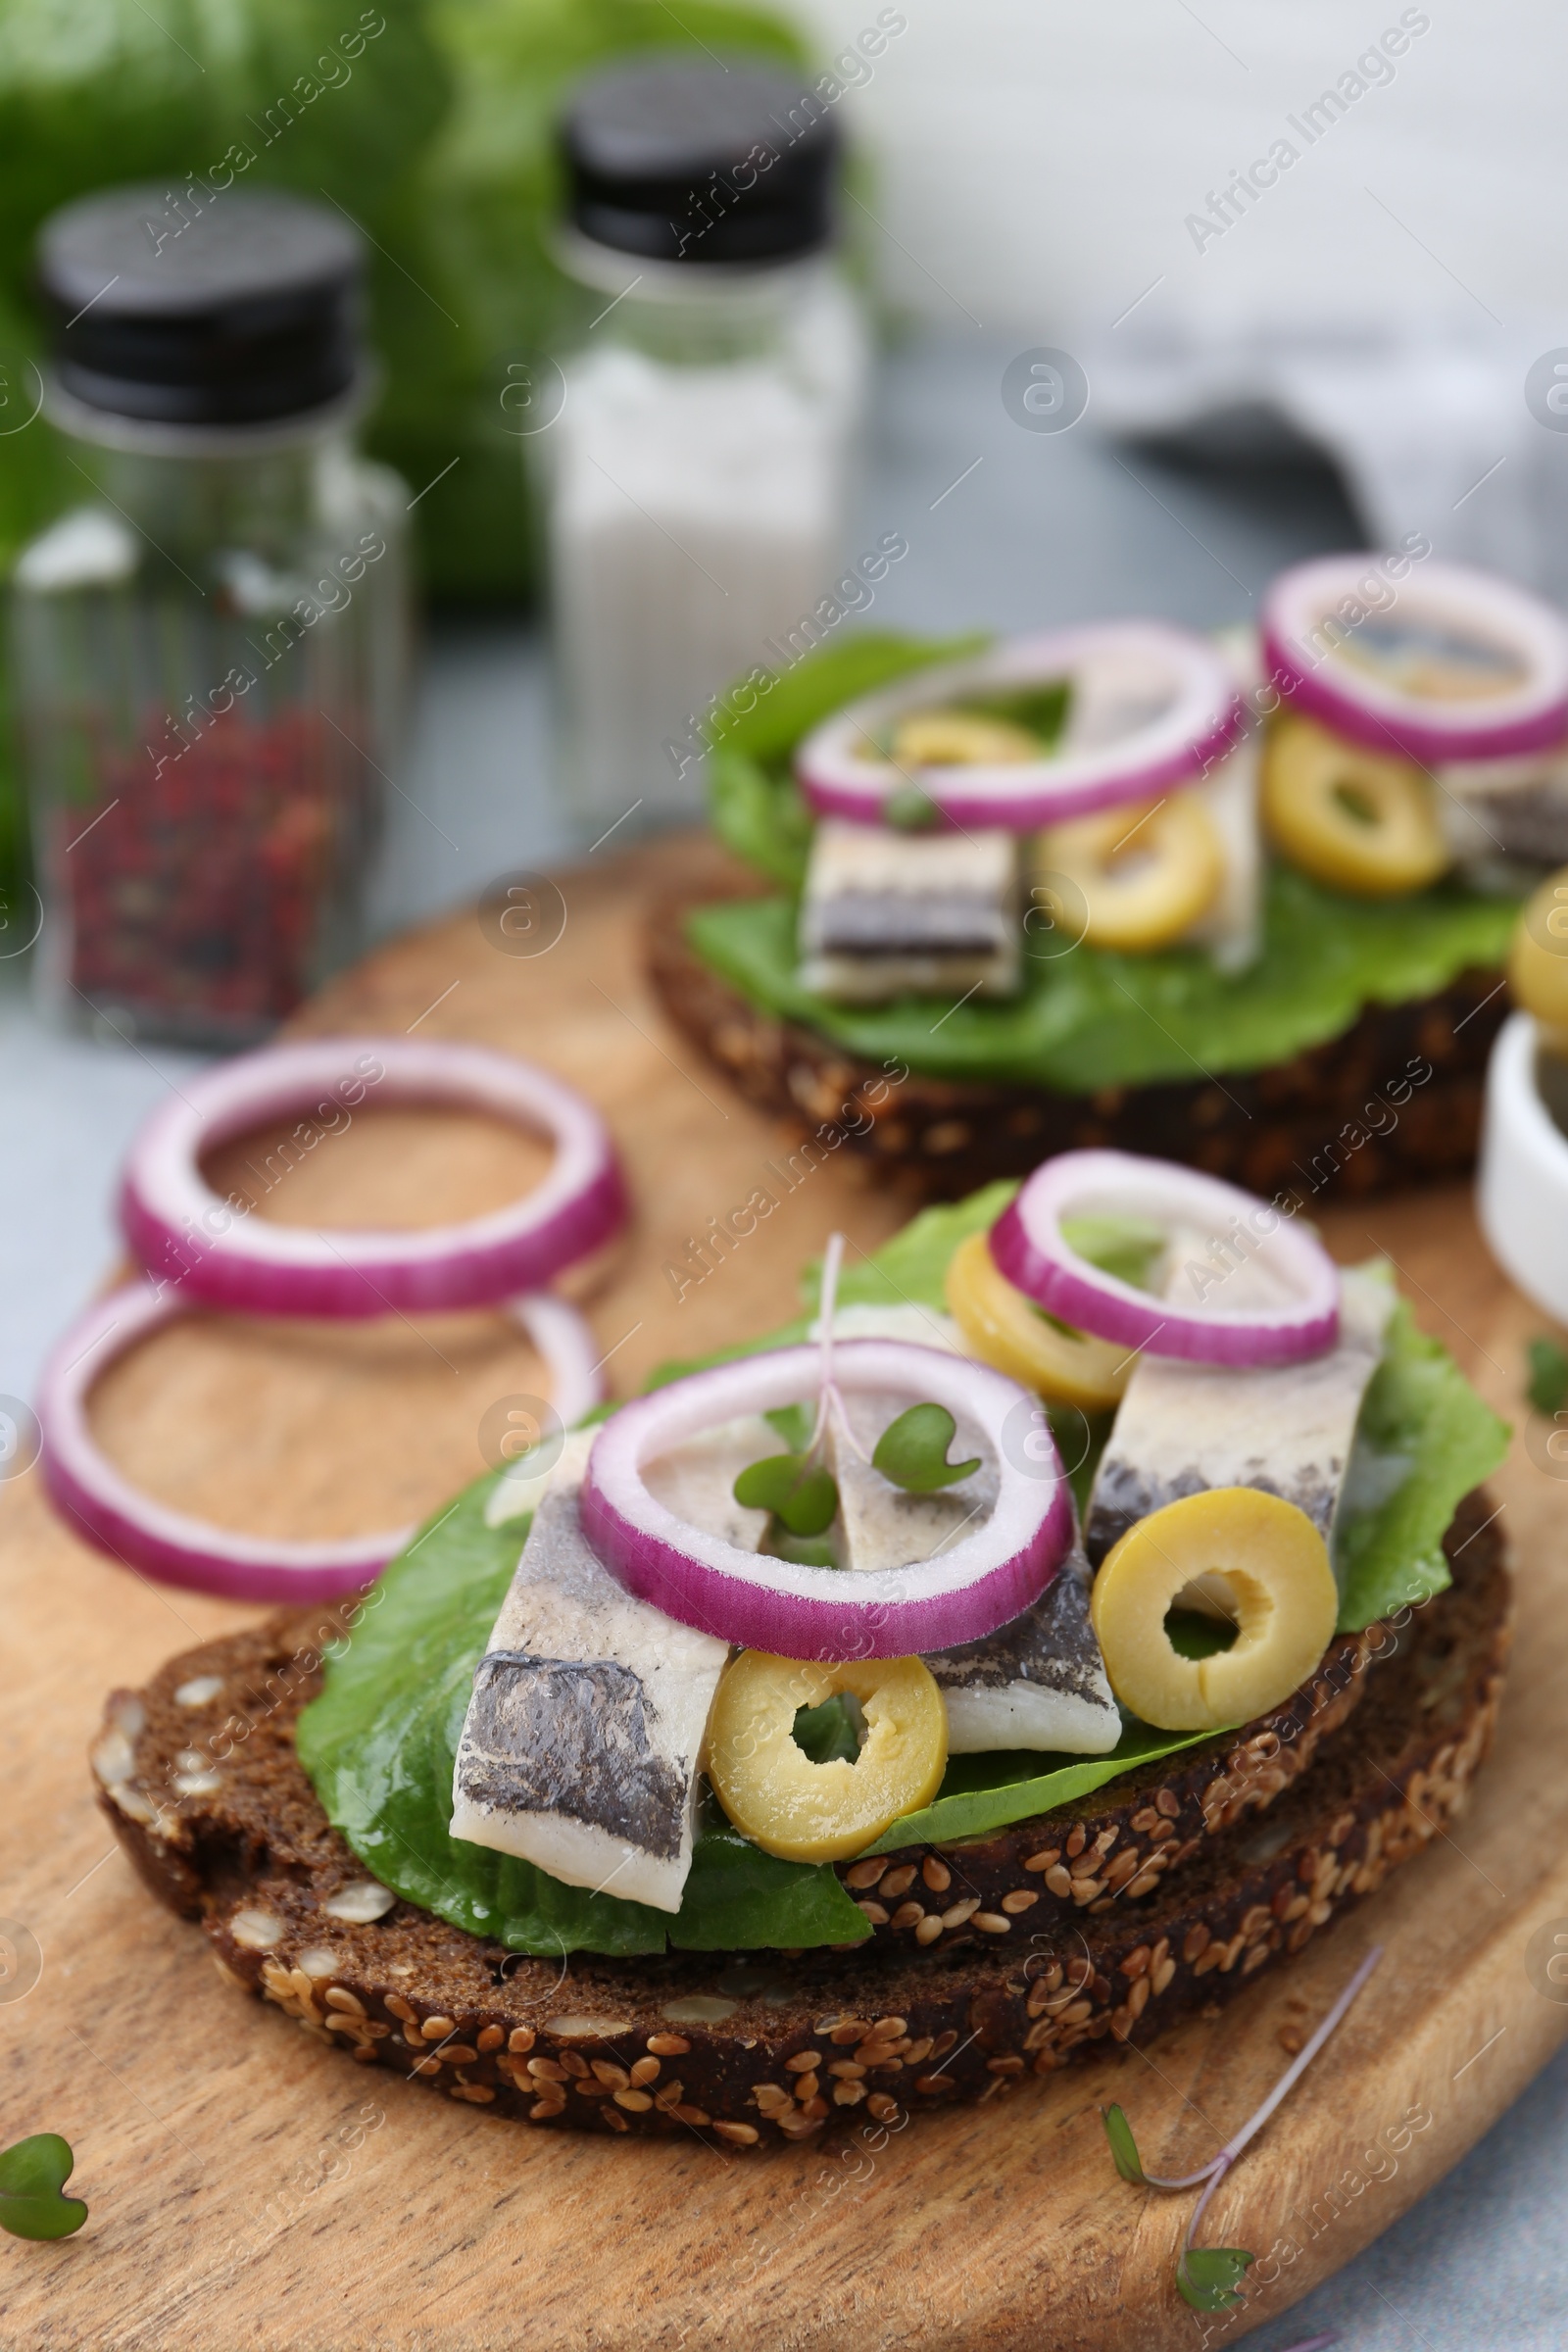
1522, 1188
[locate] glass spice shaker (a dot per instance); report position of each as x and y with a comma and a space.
211, 649
712, 363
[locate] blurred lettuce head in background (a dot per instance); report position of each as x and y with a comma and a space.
432, 124
429, 122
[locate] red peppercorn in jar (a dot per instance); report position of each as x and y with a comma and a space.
211, 647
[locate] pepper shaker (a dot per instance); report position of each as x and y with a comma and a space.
210, 645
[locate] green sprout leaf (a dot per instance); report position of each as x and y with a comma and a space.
1126, 1247
1123, 2147
912, 1451
1548, 1384
804, 1551
801, 1496
1209, 2275
1040, 710
911, 809
33, 2176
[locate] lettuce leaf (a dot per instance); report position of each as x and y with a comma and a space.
380, 1740
1090, 1018
755, 809
980, 1793
1424, 1440
912, 1267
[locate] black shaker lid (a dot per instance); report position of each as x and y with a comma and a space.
696, 163
244, 311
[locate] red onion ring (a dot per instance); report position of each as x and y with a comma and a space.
1201, 718
1027, 1245
103, 1505
1372, 709
176, 1224
983, 1582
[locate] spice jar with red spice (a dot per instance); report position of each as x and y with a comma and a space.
211, 647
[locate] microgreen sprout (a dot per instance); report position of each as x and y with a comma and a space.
32, 2176
912, 1451
911, 809
803, 1495
829, 1404
1208, 2277
1547, 1383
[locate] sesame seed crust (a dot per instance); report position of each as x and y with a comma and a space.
751, 2050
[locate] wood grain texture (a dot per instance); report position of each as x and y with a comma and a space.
251, 2188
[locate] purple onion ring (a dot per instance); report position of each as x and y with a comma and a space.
1371, 710
178, 1227
1202, 717
987, 1578
103, 1505
1027, 1245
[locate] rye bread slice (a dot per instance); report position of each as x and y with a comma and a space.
1302, 1123
1117, 1844
762, 2047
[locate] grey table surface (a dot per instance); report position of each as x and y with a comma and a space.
1007, 529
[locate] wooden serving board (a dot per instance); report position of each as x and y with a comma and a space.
250, 2187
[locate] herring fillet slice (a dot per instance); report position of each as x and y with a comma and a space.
882, 1525
580, 1748
1231, 928
1287, 1428
1038, 1682
885, 911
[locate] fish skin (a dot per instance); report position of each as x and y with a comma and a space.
1038, 1682
882, 1525
553, 1734
884, 911
1287, 1428
581, 1746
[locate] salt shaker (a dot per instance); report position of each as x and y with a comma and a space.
712, 376
210, 645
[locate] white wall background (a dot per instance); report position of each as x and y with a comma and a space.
1037, 159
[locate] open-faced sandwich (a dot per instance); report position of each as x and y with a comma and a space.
1083, 1604
1243, 904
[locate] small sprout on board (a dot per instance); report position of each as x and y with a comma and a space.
1209, 2277
32, 2178
1547, 1385
1123, 2147
912, 1451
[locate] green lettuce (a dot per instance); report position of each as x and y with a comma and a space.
755, 809
380, 1740
1092, 1019
431, 123
1424, 1440
986, 1792
1089, 1018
